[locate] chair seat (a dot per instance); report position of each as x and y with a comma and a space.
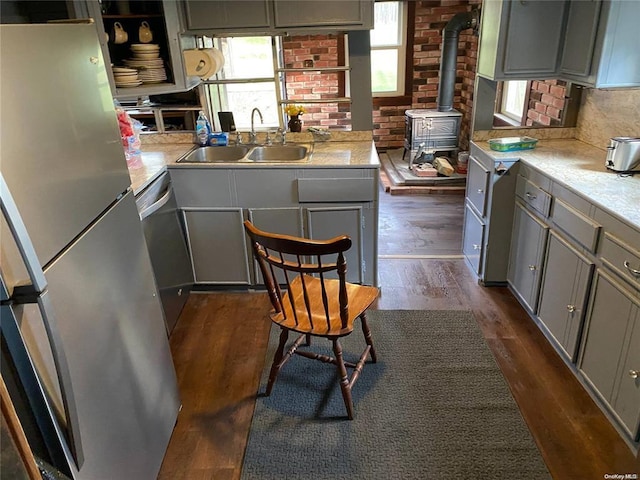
360, 298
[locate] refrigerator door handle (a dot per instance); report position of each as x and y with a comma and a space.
41, 297
19, 231
64, 378
158, 204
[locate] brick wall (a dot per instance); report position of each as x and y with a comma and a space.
429, 20
546, 103
304, 51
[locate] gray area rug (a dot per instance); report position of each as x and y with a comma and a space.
434, 406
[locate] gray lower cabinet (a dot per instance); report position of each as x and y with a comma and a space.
473, 236
527, 254
199, 187
217, 245
324, 222
284, 220
478, 185
563, 297
489, 215
318, 203
610, 356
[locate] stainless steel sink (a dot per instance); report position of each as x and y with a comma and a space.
278, 153
216, 154
248, 154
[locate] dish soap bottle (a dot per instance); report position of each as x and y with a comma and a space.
203, 129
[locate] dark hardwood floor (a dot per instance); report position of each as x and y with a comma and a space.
220, 341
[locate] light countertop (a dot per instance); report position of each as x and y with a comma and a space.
153, 162
157, 157
580, 167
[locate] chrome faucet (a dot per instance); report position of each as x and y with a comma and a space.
252, 133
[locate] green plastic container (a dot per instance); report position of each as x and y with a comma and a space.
511, 144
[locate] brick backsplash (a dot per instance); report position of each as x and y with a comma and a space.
546, 103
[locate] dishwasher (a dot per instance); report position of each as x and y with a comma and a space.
167, 246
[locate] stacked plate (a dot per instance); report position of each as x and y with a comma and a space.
126, 77
146, 60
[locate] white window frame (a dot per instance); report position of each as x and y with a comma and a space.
216, 81
513, 117
402, 53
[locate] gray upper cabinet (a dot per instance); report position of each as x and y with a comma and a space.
344, 14
225, 14
520, 39
276, 16
601, 43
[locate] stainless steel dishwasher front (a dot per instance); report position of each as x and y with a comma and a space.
167, 246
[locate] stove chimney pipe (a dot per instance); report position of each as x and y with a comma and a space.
449, 57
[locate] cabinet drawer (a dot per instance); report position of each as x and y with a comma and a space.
473, 238
621, 258
582, 229
533, 195
477, 186
336, 190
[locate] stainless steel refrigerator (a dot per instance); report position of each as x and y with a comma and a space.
83, 334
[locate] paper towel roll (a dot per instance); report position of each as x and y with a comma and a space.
203, 63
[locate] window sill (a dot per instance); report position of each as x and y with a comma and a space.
501, 120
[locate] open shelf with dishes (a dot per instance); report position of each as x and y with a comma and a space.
141, 42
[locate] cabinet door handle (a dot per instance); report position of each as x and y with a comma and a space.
571, 308
634, 374
633, 271
533, 268
480, 191
476, 246
530, 196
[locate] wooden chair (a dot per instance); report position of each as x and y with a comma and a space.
311, 304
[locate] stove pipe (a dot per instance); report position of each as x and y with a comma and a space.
448, 60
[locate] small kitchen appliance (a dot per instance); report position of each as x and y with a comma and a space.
623, 154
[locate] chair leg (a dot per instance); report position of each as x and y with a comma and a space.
277, 358
344, 379
308, 340
367, 337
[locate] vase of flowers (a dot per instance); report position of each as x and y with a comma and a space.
294, 112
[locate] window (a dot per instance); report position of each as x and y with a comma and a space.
513, 100
388, 49
247, 80
270, 72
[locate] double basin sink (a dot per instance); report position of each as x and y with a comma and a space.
249, 153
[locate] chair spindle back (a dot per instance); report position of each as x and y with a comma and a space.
299, 259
